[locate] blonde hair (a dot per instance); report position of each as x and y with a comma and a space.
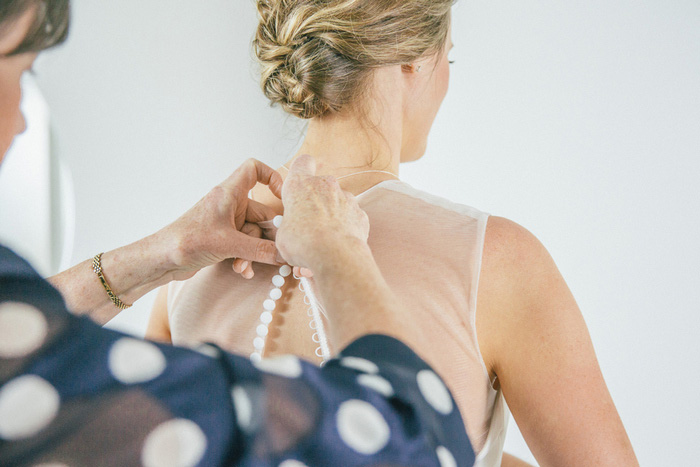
317, 56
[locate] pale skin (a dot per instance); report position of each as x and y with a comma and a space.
532, 335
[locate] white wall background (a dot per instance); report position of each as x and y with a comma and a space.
579, 120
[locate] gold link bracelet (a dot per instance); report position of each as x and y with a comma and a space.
97, 267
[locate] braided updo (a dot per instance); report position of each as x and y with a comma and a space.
317, 56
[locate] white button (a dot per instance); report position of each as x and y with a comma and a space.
259, 343
255, 357
285, 270
266, 317
269, 305
276, 294
277, 221
278, 281
262, 330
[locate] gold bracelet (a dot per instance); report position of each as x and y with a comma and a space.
97, 267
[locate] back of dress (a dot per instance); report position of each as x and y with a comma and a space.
429, 251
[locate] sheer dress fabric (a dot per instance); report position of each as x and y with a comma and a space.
74, 394
429, 251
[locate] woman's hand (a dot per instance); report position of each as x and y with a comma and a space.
245, 268
319, 217
210, 232
222, 224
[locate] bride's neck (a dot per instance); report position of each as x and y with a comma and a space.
345, 144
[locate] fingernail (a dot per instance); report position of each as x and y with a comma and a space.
244, 265
306, 272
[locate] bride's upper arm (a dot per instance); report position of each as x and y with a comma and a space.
533, 337
158, 325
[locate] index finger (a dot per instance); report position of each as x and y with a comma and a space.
252, 172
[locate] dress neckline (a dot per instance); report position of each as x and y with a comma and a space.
268, 223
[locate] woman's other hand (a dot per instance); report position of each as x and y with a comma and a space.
319, 217
221, 225
213, 230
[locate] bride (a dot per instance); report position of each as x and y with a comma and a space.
370, 76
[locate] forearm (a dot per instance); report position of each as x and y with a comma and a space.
358, 300
131, 271
512, 461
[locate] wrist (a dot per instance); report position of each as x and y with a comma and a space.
137, 268
339, 253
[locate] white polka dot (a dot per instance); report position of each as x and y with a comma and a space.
27, 405
278, 281
23, 329
434, 391
134, 361
359, 364
266, 317
292, 463
445, 457
377, 383
244, 407
277, 221
262, 330
207, 350
269, 305
175, 443
362, 427
285, 270
255, 357
259, 343
276, 294
288, 366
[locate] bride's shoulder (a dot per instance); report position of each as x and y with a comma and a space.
510, 239
515, 266
518, 283
434, 200
510, 246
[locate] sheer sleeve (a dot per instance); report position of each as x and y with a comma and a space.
74, 394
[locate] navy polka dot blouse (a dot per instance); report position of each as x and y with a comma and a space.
74, 394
